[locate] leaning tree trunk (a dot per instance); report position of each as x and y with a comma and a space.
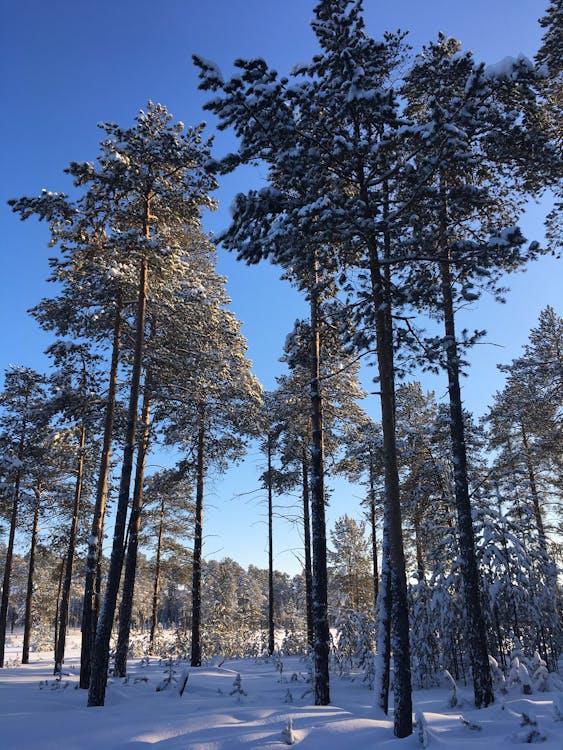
475, 626
126, 607
30, 580
90, 607
318, 520
156, 586
10, 550
271, 641
65, 598
402, 688
307, 546
100, 660
198, 543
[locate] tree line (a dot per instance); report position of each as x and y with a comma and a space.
395, 183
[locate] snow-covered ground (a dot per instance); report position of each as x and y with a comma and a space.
36, 712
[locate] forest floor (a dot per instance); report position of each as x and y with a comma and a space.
37, 711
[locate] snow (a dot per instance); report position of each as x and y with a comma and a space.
506, 67
37, 711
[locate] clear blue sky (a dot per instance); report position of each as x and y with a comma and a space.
66, 65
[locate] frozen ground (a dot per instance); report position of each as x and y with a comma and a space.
36, 712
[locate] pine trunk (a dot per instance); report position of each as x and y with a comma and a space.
100, 656
533, 490
318, 520
307, 545
383, 656
128, 588
92, 579
271, 640
402, 689
475, 630
10, 551
156, 586
198, 543
28, 621
373, 526
65, 598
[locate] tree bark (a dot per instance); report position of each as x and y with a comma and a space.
10, 549
65, 598
28, 621
271, 641
198, 544
100, 660
128, 588
476, 631
534, 490
307, 545
373, 526
92, 580
318, 520
380, 286
156, 587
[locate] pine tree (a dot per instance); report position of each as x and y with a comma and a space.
22, 423
323, 196
549, 56
212, 408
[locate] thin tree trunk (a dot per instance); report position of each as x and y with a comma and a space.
156, 587
58, 604
307, 544
318, 519
271, 641
92, 580
475, 630
65, 599
30, 578
383, 656
10, 550
128, 591
402, 687
373, 526
100, 660
534, 490
198, 544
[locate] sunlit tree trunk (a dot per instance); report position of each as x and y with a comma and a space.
100, 661
128, 588
92, 580
198, 544
67, 584
28, 621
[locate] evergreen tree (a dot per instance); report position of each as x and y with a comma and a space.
22, 423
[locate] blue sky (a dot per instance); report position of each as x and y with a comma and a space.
66, 65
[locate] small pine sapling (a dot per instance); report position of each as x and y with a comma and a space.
540, 674
183, 682
287, 734
519, 675
497, 674
530, 733
278, 663
169, 675
237, 687
454, 700
470, 724
422, 727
